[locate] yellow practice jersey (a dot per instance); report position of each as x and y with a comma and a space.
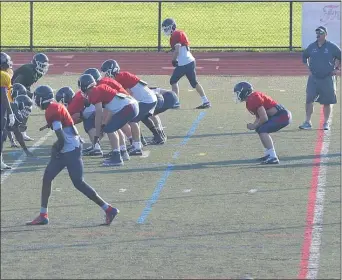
5, 80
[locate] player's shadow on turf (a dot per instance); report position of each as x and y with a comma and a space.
225, 134
205, 233
215, 164
183, 197
286, 162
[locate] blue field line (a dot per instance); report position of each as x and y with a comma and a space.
161, 183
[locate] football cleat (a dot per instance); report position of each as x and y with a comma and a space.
326, 126
205, 105
114, 160
93, 152
135, 152
111, 213
263, 158
124, 155
42, 219
270, 160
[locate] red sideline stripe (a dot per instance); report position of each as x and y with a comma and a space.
311, 203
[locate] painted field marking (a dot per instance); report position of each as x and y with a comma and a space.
209, 59
20, 160
161, 183
65, 56
309, 263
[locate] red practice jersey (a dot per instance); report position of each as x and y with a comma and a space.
58, 112
101, 93
179, 37
113, 84
127, 79
257, 99
77, 104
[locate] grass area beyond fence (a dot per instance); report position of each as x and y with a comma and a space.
135, 24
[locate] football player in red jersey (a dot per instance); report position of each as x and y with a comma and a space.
121, 109
66, 152
140, 91
270, 117
126, 129
81, 111
183, 61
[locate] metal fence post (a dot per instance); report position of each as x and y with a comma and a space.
159, 25
31, 25
291, 26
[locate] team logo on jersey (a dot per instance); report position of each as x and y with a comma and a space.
326, 50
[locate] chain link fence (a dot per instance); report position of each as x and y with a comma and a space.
136, 25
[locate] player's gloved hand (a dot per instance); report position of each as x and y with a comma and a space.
174, 63
55, 152
11, 119
250, 126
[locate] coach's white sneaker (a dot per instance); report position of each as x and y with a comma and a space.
326, 126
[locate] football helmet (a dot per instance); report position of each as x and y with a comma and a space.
5, 61
18, 89
24, 105
43, 95
94, 72
241, 91
110, 67
41, 63
168, 26
85, 82
65, 95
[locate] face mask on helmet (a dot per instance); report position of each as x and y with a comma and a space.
110, 68
41, 63
167, 30
237, 97
42, 68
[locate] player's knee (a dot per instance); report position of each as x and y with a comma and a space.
193, 83
173, 81
84, 188
47, 178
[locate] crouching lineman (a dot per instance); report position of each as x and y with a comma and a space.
81, 111
28, 74
166, 99
269, 117
21, 108
120, 109
139, 90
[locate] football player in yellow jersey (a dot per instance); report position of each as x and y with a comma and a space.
5, 86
